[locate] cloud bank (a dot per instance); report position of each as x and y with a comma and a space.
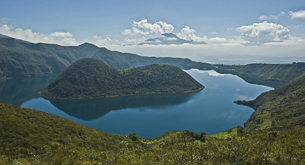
145, 28
61, 38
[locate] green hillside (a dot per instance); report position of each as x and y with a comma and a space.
90, 78
273, 75
20, 58
29, 136
281, 108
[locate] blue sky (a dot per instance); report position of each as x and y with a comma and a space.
261, 28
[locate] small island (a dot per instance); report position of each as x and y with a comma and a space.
90, 78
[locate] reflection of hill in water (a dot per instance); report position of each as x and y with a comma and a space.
90, 109
19, 90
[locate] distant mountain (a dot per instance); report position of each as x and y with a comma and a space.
273, 75
90, 78
281, 108
168, 39
20, 58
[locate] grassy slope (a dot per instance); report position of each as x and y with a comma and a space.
32, 137
90, 78
280, 108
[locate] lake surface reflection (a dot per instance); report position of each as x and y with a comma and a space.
211, 110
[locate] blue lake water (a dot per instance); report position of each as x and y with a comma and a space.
211, 110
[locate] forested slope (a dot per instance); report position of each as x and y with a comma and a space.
90, 78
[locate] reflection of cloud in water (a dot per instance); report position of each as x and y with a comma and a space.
210, 72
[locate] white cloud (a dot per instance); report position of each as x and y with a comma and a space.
189, 34
130, 40
4, 20
263, 17
96, 37
217, 39
214, 33
297, 14
274, 17
61, 38
145, 28
171, 39
99, 41
264, 32
127, 32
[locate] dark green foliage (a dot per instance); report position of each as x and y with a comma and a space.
90, 78
32, 137
133, 136
281, 108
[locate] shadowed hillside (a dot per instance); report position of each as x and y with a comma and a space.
20, 58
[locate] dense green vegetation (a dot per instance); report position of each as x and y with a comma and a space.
19, 58
281, 108
29, 136
90, 78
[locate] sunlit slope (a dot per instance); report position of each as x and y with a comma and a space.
29, 136
280, 108
90, 78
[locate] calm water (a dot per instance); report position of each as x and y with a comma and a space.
211, 110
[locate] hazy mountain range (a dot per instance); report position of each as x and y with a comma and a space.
168, 39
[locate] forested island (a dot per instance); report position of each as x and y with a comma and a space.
90, 78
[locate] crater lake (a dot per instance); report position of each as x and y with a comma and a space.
211, 110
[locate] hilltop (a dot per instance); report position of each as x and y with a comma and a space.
90, 78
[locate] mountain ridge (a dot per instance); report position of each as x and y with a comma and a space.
28, 59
